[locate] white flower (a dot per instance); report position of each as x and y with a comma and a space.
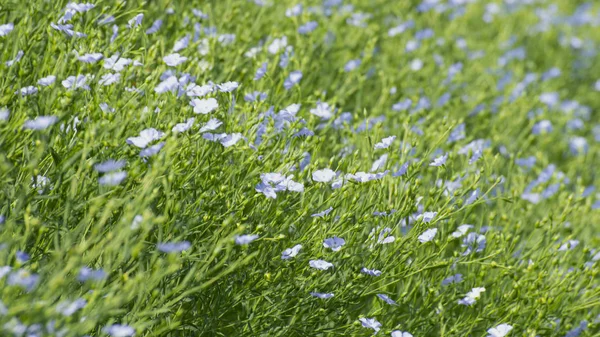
371, 323
428, 235
146, 136
40, 123
320, 264
323, 176
500, 330
334, 243
204, 106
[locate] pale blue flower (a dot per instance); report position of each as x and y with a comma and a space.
22, 257
182, 43
245, 239
322, 295
68, 308
24, 279
370, 323
277, 45
322, 110
428, 235
402, 171
173, 247
323, 176
136, 21
152, 150
27, 91
439, 161
387, 299
110, 165
452, 279
16, 60
112, 178
90, 58
46, 81
291, 252
108, 79
370, 272
255, 96
293, 79
499, 331
385, 142
76, 82
86, 274
174, 59
146, 137
260, 72
294, 11
334, 243
471, 297
398, 333
308, 27
231, 139
379, 163
119, 330
211, 125
155, 27
228, 86
6, 28
352, 64
323, 213
320, 264
40, 123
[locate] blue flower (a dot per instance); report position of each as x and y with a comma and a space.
173, 247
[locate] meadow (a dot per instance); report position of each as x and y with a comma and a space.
299, 168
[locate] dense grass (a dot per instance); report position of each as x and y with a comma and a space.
526, 188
